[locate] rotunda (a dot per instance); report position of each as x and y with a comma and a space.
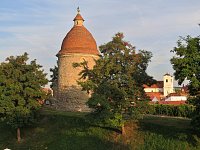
77, 46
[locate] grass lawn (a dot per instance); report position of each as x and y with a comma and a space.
167, 133
69, 131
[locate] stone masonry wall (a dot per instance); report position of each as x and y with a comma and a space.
70, 97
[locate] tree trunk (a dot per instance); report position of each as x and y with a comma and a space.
123, 130
18, 135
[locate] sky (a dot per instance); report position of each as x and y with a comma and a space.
39, 26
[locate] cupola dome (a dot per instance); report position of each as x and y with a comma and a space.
79, 39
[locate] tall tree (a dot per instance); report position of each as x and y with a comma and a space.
186, 64
21, 88
116, 81
54, 76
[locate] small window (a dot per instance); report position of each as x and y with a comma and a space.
166, 80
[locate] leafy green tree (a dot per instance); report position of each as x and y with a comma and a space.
116, 82
21, 89
186, 64
54, 76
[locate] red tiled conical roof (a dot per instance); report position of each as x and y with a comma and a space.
78, 17
79, 40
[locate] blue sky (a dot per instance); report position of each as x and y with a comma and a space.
39, 26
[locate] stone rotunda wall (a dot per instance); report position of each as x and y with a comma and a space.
70, 96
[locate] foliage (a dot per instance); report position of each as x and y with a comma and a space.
21, 88
186, 64
171, 110
196, 118
140, 109
54, 76
116, 81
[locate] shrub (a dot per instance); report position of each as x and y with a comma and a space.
171, 110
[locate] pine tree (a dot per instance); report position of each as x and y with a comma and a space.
21, 88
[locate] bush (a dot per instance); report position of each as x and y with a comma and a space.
196, 116
171, 110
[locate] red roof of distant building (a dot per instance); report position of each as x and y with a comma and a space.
167, 74
172, 102
47, 90
185, 89
158, 95
159, 84
176, 94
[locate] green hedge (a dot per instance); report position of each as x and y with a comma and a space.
171, 110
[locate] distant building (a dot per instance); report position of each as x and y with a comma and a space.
155, 88
176, 97
168, 84
164, 92
48, 92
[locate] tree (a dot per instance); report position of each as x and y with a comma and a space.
21, 88
54, 76
186, 64
116, 82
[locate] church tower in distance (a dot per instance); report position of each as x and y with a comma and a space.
168, 84
77, 46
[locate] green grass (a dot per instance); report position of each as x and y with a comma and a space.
58, 131
69, 131
167, 133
